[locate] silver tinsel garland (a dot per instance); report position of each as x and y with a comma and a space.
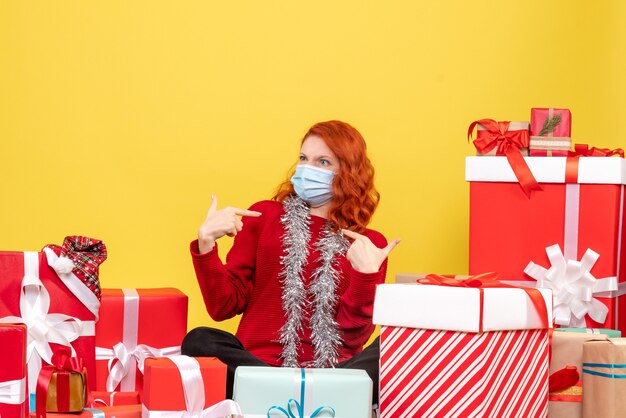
296, 300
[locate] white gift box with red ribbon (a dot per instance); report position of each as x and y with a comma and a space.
458, 351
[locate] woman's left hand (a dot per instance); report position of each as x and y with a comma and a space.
364, 256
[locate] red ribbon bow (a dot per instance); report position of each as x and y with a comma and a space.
62, 364
583, 150
489, 280
562, 379
508, 143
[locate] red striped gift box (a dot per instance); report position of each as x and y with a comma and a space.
461, 352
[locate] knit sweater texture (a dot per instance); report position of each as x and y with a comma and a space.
248, 283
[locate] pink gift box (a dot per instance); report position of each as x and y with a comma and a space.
547, 141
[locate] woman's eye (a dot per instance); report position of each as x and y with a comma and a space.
302, 158
324, 162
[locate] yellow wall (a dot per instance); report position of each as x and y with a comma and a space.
118, 119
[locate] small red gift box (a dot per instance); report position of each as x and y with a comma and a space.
122, 411
568, 237
136, 324
13, 392
102, 398
61, 307
166, 390
550, 132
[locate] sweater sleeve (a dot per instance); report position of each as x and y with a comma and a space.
356, 305
226, 287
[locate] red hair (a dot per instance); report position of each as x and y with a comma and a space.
354, 196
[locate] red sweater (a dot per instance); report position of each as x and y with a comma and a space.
248, 283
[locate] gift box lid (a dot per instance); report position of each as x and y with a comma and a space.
457, 308
612, 333
591, 170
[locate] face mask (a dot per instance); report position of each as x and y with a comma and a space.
312, 184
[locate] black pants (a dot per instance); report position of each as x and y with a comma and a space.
211, 342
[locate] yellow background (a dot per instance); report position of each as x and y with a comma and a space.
119, 119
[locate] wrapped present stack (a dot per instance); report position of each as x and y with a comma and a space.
555, 222
566, 235
72, 349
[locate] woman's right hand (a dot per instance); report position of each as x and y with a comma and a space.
219, 223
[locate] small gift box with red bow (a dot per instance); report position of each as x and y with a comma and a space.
567, 237
508, 139
472, 347
550, 132
56, 294
62, 386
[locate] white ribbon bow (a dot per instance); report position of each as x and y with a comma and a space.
122, 361
573, 287
43, 327
13, 392
193, 388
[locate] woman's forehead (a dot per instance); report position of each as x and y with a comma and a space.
315, 145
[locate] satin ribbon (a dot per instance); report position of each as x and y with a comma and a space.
300, 406
62, 364
508, 143
489, 280
127, 356
13, 392
572, 284
44, 328
193, 389
96, 413
583, 150
617, 369
112, 401
573, 287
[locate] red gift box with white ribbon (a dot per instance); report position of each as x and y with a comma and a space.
136, 324
186, 386
567, 237
13, 392
58, 309
448, 350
